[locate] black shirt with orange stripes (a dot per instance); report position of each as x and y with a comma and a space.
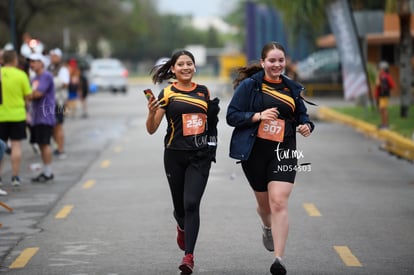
186, 114
277, 94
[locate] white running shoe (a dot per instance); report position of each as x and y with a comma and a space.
3, 193
267, 238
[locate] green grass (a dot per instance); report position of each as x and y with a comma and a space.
403, 126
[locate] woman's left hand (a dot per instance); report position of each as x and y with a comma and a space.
304, 130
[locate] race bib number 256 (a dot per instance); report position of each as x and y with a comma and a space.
194, 124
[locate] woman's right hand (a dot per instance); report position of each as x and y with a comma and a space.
155, 115
271, 114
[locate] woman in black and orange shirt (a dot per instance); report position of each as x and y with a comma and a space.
190, 144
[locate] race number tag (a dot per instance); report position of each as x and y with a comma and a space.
194, 124
272, 129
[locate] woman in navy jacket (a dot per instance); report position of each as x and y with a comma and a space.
267, 110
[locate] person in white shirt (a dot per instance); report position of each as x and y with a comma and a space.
61, 80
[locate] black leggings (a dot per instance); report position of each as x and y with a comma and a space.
187, 173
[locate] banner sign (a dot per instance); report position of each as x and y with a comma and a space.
354, 75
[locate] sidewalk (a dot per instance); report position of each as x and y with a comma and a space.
393, 142
85, 140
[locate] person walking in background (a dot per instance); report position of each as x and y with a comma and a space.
15, 90
190, 144
3, 147
29, 45
84, 91
61, 82
1, 57
384, 84
267, 110
74, 87
42, 114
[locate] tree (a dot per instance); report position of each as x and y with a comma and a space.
27, 11
300, 15
134, 28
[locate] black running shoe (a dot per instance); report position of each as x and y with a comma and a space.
278, 268
42, 178
15, 181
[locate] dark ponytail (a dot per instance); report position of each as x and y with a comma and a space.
163, 71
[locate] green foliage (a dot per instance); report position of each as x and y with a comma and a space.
237, 18
403, 126
134, 28
309, 17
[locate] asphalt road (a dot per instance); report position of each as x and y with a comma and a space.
109, 209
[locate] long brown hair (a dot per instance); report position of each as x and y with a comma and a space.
249, 70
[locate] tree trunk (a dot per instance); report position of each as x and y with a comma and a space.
405, 56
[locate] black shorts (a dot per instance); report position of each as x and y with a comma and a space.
13, 130
41, 134
271, 161
59, 114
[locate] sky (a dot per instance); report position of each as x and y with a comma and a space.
205, 13
197, 8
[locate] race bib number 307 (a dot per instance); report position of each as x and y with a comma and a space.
194, 124
273, 130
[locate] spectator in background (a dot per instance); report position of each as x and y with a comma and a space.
74, 87
42, 114
30, 45
24, 64
84, 91
1, 57
2, 150
61, 79
384, 84
15, 90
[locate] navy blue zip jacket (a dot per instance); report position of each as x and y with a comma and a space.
246, 101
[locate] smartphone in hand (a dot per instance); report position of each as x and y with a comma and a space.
148, 94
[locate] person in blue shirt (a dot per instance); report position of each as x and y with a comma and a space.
42, 114
266, 111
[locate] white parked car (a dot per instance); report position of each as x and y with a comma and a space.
108, 74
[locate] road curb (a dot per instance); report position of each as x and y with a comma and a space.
392, 142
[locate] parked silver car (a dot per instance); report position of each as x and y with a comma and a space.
108, 74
